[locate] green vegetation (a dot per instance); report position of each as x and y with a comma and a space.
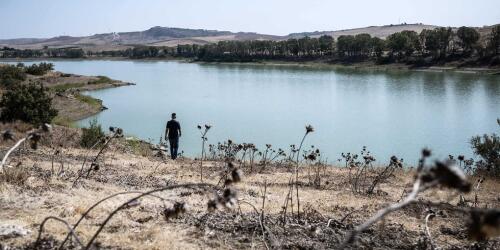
66, 86
92, 135
428, 47
89, 100
28, 103
7, 52
39, 69
101, 80
488, 147
63, 121
11, 75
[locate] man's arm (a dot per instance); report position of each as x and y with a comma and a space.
180, 133
166, 132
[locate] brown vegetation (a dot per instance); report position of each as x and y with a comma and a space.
248, 213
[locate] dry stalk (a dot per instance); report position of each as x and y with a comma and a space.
428, 231
71, 230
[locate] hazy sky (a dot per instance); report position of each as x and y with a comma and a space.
47, 18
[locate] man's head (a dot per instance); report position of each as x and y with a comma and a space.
174, 115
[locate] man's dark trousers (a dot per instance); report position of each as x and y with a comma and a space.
174, 145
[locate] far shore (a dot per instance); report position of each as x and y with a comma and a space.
309, 64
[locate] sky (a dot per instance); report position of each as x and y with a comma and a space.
49, 18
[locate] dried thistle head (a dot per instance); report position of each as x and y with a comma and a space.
207, 126
484, 224
46, 128
94, 166
34, 140
236, 175
447, 174
426, 153
199, 127
461, 157
179, 208
7, 135
309, 129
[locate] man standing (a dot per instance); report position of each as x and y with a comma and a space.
173, 132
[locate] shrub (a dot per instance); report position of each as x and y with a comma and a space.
16, 176
91, 135
28, 103
11, 75
39, 69
488, 147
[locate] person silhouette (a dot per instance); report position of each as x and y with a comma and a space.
172, 133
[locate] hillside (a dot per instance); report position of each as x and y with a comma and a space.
166, 36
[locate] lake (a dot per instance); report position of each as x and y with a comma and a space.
390, 112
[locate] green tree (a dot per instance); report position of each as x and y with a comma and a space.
403, 43
28, 103
468, 38
494, 40
326, 44
11, 75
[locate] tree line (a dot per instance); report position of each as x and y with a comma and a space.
427, 47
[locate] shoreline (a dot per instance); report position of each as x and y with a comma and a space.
306, 64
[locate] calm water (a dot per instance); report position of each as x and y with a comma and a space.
392, 113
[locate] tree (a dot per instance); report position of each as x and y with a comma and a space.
437, 41
468, 38
28, 103
39, 69
11, 75
494, 40
326, 44
345, 45
403, 43
377, 46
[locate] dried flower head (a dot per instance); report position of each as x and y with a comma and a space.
47, 128
309, 129
111, 129
448, 175
236, 175
207, 126
461, 157
34, 139
178, 209
94, 166
426, 152
484, 224
199, 127
7, 135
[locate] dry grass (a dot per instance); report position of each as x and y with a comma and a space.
144, 227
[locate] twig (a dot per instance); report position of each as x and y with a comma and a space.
71, 231
428, 231
12, 149
195, 185
417, 188
94, 206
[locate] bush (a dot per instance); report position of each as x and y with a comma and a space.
28, 103
39, 69
17, 175
11, 75
488, 147
91, 135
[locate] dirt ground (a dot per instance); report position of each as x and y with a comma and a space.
72, 105
45, 186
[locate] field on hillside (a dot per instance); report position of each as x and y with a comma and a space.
237, 205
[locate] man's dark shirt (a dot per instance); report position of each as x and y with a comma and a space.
173, 128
